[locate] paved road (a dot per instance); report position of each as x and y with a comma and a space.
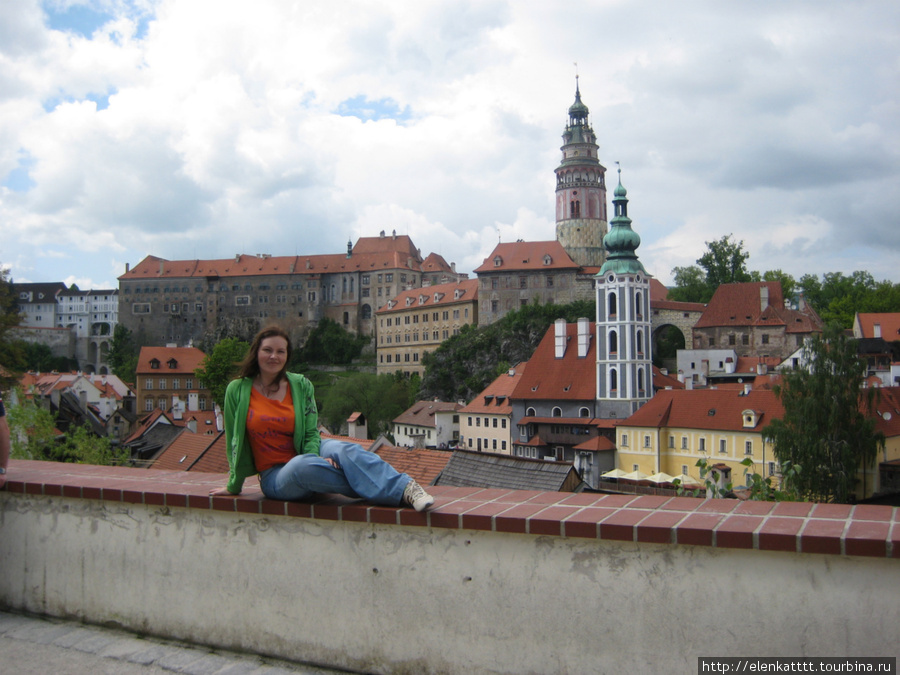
35, 646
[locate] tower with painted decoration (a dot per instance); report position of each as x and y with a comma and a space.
581, 190
624, 359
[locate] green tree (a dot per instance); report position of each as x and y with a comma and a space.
725, 262
380, 398
690, 285
32, 430
220, 366
828, 427
11, 357
329, 343
838, 297
123, 354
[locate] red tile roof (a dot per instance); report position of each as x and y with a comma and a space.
369, 253
527, 255
571, 378
889, 323
187, 359
713, 409
741, 305
433, 296
423, 466
495, 399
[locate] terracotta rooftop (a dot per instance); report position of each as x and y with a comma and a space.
433, 296
570, 378
423, 466
527, 256
747, 304
186, 360
712, 409
888, 323
495, 399
184, 452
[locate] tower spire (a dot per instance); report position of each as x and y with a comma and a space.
621, 242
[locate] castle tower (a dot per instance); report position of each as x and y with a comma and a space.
624, 358
581, 190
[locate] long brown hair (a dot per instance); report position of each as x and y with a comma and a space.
250, 365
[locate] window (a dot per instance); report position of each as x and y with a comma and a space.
748, 447
624, 440
745, 339
189, 383
162, 383
646, 441
148, 384
684, 442
176, 383
765, 338
242, 300
723, 447
671, 441
731, 339
148, 405
702, 445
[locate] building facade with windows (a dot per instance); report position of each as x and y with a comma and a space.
417, 321
485, 424
676, 428
165, 379
428, 424
186, 301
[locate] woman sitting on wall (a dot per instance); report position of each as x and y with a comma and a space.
271, 429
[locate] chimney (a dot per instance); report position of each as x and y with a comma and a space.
877, 330
219, 425
193, 401
162, 267
584, 336
127, 268
82, 399
747, 387
560, 330
763, 298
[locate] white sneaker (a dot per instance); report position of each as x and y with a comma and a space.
415, 496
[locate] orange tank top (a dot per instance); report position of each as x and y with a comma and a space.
270, 429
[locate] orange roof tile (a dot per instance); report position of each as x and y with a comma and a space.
527, 255
495, 399
714, 409
433, 296
569, 378
187, 360
741, 305
423, 466
888, 322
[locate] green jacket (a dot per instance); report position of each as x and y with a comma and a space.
237, 446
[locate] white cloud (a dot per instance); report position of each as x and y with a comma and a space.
212, 130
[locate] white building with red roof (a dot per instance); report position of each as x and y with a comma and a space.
485, 424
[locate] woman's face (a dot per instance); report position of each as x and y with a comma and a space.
271, 356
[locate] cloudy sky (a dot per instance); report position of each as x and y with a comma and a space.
204, 128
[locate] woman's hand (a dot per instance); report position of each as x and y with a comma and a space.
221, 492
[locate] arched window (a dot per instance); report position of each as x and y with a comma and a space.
612, 304
613, 380
346, 318
613, 342
529, 412
584, 412
365, 312
640, 343
640, 380
556, 412
637, 305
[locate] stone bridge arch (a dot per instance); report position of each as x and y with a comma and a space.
678, 315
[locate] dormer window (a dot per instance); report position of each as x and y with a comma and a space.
409, 301
498, 261
154, 364
750, 418
457, 294
172, 363
548, 260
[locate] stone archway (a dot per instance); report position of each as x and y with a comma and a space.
667, 340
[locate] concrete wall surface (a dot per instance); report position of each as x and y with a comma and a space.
401, 599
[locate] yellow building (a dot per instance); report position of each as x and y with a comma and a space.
418, 320
676, 428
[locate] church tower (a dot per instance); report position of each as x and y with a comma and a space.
581, 190
624, 358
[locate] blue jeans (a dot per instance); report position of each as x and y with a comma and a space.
360, 473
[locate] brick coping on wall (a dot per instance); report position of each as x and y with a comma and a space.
801, 527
